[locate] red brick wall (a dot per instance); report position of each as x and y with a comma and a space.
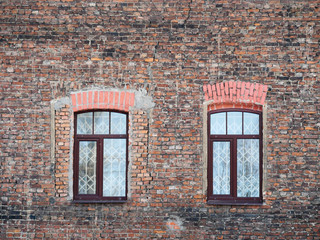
170, 51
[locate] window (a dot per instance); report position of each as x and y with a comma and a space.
100, 156
234, 157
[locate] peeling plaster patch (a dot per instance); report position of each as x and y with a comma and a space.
60, 103
174, 224
142, 100
10, 69
150, 73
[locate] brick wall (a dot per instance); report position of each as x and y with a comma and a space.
167, 52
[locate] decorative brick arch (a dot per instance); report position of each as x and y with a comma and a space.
100, 99
235, 95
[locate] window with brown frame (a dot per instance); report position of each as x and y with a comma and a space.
100, 156
234, 157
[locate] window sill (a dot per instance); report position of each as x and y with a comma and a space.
227, 203
99, 201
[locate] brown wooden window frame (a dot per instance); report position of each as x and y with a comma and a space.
99, 138
232, 198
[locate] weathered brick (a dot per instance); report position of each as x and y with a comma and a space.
237, 54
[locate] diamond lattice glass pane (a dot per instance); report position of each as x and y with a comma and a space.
248, 167
84, 123
251, 123
114, 167
221, 167
101, 123
218, 123
118, 123
234, 122
87, 167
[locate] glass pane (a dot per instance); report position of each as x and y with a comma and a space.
248, 167
101, 123
218, 123
87, 167
114, 167
251, 123
84, 123
118, 123
234, 122
221, 167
